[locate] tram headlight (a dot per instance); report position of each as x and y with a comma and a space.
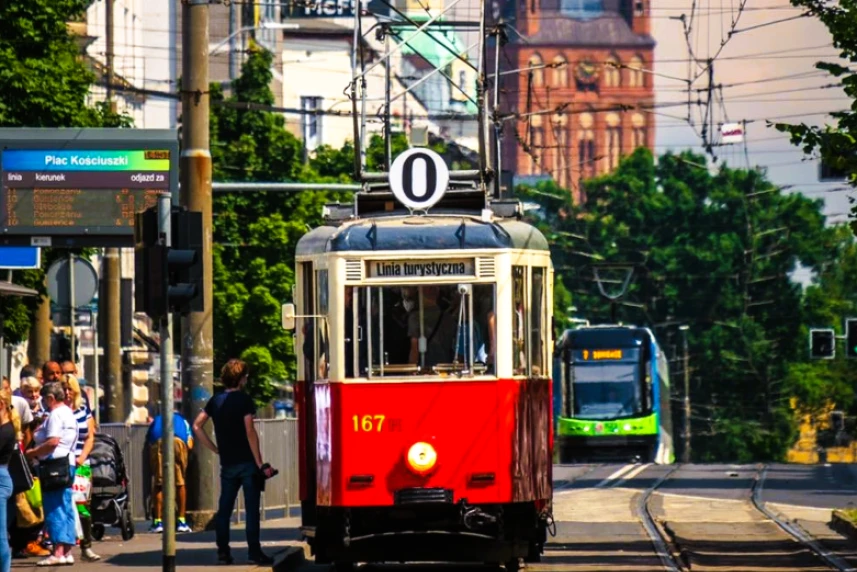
421, 458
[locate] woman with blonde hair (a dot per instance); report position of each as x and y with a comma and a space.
10, 435
85, 442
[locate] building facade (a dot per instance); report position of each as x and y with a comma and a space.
585, 95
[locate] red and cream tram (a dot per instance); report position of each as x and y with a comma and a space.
424, 393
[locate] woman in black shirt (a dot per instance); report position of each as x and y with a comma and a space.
10, 430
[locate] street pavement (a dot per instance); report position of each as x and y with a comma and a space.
195, 552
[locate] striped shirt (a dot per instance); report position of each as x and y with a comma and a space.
82, 416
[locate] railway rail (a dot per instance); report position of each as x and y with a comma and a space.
673, 555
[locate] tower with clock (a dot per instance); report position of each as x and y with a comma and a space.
585, 93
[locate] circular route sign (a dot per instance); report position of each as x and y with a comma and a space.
419, 178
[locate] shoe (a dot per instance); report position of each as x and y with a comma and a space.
183, 527
53, 561
68, 559
261, 558
35, 549
224, 557
157, 528
89, 555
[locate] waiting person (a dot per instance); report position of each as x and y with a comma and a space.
85, 443
56, 438
241, 466
51, 372
70, 368
26, 371
25, 541
10, 434
183, 444
22, 408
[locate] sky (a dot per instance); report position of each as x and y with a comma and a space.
773, 48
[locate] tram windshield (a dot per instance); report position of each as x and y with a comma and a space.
419, 329
606, 391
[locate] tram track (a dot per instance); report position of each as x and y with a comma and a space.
793, 529
676, 557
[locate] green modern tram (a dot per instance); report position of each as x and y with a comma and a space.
612, 391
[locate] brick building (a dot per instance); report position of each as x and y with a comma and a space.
592, 103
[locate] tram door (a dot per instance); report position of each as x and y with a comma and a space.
310, 370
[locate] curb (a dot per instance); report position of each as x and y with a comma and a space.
289, 559
843, 525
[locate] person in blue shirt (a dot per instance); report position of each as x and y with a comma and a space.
183, 444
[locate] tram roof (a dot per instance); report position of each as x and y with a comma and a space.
422, 233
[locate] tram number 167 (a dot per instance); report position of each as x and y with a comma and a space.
368, 423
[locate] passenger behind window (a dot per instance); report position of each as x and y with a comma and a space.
438, 328
397, 305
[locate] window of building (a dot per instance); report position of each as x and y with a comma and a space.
420, 329
586, 145
583, 9
311, 122
462, 81
537, 72
560, 129
638, 133
636, 77
613, 140
612, 72
639, 8
519, 320
560, 72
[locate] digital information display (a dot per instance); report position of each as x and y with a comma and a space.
57, 196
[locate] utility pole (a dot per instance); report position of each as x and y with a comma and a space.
197, 335
111, 276
168, 508
686, 453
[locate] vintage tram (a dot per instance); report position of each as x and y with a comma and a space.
424, 392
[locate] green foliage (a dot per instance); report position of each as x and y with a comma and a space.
713, 251
836, 144
44, 82
256, 233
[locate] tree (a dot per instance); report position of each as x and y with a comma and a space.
713, 251
835, 144
43, 83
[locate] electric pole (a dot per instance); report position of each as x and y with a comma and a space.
686, 453
197, 334
111, 276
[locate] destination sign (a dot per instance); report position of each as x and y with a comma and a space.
84, 186
607, 354
421, 268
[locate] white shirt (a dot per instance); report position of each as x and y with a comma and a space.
25, 414
62, 424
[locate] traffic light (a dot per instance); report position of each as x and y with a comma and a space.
168, 279
148, 264
851, 338
822, 344
184, 262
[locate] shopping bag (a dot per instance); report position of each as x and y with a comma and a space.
78, 527
34, 495
27, 516
82, 487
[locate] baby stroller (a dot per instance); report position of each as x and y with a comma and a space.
110, 504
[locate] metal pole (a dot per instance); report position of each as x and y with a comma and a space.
686, 456
71, 305
167, 408
498, 159
96, 399
112, 275
388, 86
197, 329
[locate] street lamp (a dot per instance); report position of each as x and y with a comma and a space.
686, 452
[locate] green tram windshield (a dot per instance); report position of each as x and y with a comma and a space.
606, 386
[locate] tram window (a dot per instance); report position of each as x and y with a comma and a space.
519, 320
322, 334
424, 329
537, 326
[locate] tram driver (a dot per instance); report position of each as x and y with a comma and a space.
438, 329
